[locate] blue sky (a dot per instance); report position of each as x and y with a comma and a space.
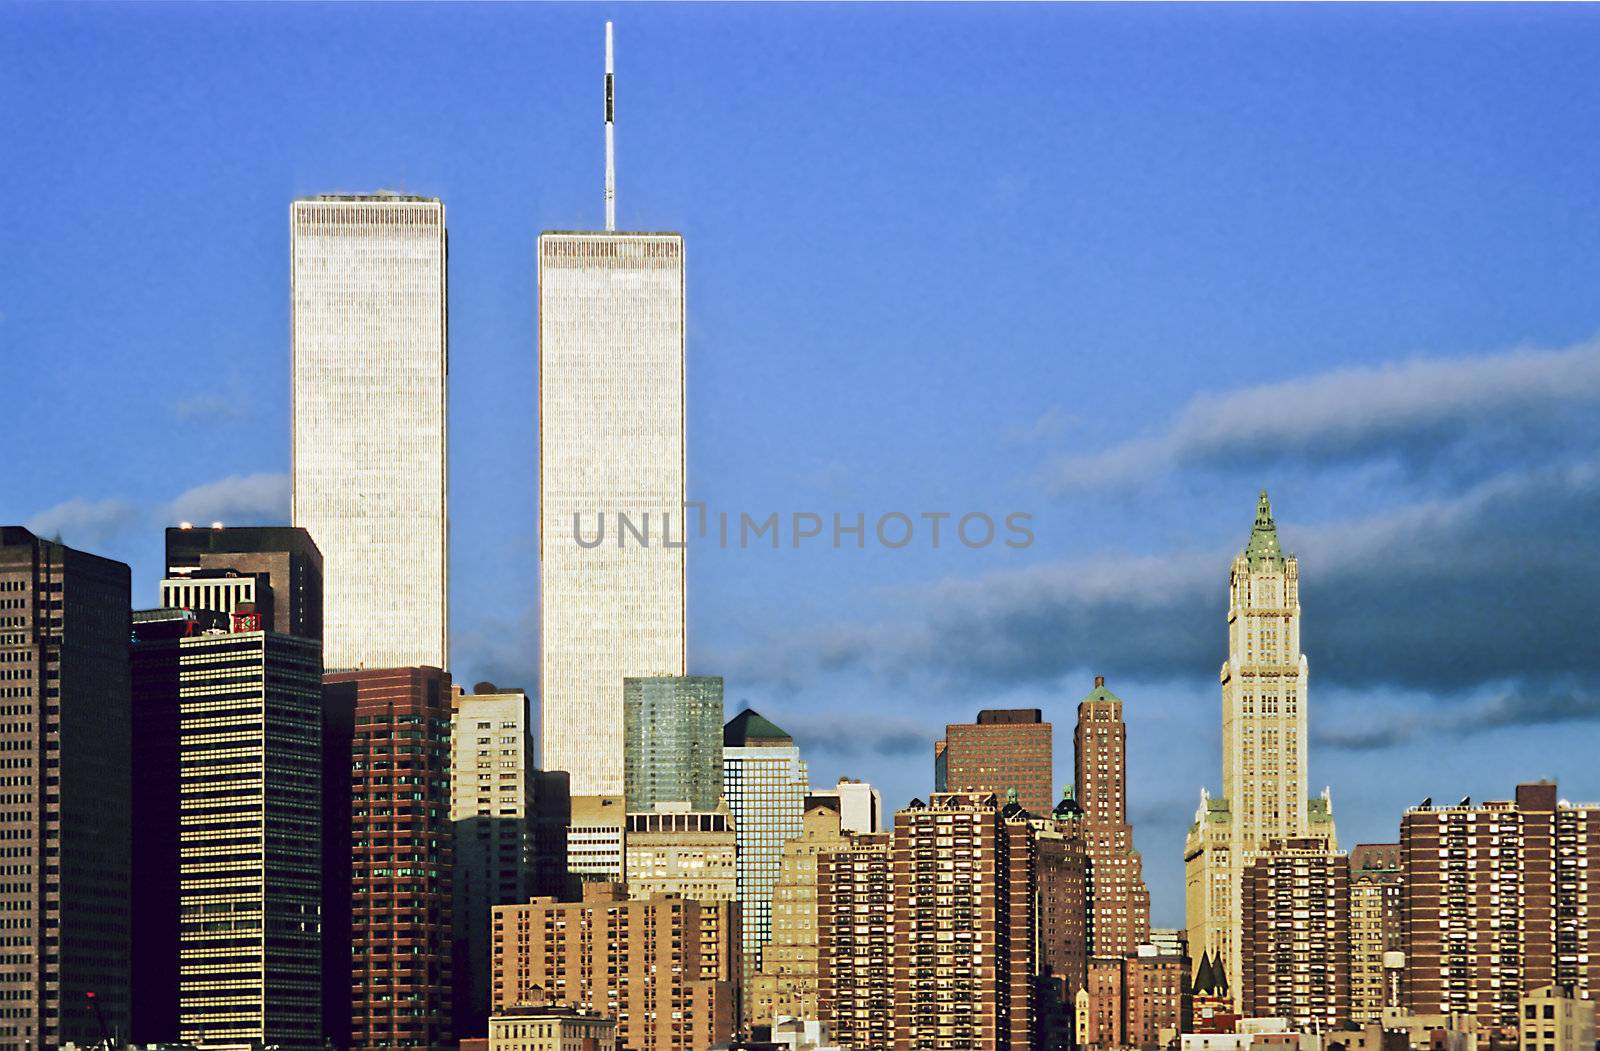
1118, 267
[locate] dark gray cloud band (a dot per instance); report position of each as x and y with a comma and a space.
1415, 414
1498, 587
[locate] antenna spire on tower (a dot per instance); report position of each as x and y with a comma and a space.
611, 145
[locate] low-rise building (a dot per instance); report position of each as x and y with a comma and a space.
675, 850
803, 1034
595, 839
1556, 1019
1137, 1000
543, 1026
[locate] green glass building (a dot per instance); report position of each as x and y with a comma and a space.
672, 741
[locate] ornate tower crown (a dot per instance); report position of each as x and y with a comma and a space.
1264, 547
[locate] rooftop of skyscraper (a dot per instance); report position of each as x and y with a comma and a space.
376, 195
751, 729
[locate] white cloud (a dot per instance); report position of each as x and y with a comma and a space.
210, 408
86, 524
1051, 424
251, 499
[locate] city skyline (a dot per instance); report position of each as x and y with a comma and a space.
1462, 446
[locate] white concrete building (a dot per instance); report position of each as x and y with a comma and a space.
860, 805
597, 839
369, 365
611, 488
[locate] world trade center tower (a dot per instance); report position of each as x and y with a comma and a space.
611, 480
369, 422
611, 448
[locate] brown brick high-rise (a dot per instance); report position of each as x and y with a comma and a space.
855, 941
65, 817
1006, 748
1120, 901
666, 968
964, 886
1063, 868
1295, 935
401, 840
1499, 899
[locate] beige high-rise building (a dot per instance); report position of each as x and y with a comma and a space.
1264, 701
491, 802
675, 850
369, 366
597, 839
1375, 899
787, 984
611, 488
249, 711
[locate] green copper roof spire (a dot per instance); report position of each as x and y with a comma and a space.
752, 729
1263, 546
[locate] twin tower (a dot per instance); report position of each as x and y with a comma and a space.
370, 439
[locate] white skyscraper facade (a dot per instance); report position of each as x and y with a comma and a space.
491, 796
860, 805
611, 488
1264, 769
369, 434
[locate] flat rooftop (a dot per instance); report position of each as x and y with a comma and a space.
386, 196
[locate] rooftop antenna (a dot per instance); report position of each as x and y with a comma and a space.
611, 142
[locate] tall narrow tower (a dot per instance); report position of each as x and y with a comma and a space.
66, 818
369, 321
1121, 904
611, 484
766, 783
1264, 797
1264, 692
